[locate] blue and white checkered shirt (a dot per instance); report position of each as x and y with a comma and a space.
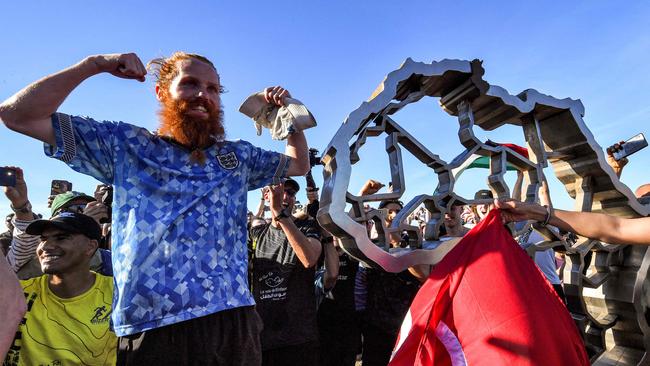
179, 228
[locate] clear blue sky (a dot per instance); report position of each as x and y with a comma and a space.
332, 55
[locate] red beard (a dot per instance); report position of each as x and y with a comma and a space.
194, 134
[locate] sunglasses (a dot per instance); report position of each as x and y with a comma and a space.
79, 208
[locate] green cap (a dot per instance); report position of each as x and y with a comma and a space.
61, 200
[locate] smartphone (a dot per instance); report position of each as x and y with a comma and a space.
7, 177
631, 146
60, 186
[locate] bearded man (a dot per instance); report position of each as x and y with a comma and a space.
179, 211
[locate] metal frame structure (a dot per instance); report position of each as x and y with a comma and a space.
610, 305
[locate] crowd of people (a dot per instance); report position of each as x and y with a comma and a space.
163, 263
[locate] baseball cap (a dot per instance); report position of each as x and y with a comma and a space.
63, 199
483, 194
383, 204
69, 222
292, 184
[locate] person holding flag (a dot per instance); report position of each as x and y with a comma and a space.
486, 303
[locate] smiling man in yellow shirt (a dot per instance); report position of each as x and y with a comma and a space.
68, 308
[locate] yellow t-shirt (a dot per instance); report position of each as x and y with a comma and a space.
63, 332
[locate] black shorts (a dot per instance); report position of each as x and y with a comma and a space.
229, 337
305, 354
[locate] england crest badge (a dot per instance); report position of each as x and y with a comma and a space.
228, 161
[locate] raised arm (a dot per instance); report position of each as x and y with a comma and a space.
23, 246
28, 111
331, 261
307, 249
516, 190
296, 148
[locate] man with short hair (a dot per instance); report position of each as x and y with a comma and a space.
179, 209
453, 223
283, 256
68, 308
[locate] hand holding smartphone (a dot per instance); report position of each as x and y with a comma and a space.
627, 148
60, 186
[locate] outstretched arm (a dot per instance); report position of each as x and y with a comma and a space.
606, 228
28, 111
297, 150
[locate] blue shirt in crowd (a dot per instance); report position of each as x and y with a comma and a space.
179, 228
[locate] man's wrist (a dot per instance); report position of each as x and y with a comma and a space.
540, 213
89, 66
281, 214
24, 208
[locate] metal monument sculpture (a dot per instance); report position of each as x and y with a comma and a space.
610, 305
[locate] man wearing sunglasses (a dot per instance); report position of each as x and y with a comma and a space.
283, 256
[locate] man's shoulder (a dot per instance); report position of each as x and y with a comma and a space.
34, 284
259, 230
241, 145
236, 143
103, 281
116, 126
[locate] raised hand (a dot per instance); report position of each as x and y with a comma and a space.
617, 165
371, 187
122, 65
275, 197
18, 193
96, 210
276, 94
312, 194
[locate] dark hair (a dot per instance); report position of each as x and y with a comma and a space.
383, 204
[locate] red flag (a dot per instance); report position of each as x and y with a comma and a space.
486, 303
516, 148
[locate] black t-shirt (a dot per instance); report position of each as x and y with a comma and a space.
283, 288
389, 298
339, 309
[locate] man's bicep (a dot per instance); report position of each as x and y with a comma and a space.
40, 129
293, 168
